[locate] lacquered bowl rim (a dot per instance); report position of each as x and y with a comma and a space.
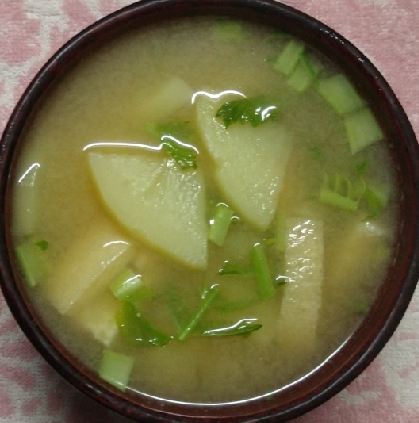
379, 324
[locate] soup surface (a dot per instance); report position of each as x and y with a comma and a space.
209, 199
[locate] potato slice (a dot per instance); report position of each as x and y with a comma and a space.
98, 317
172, 95
304, 252
250, 162
156, 202
88, 265
26, 192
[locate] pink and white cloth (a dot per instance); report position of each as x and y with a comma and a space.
387, 31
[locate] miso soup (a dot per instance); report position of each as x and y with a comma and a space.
203, 210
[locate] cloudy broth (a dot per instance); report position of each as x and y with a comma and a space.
99, 116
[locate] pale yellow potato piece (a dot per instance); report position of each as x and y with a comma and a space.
88, 265
304, 261
172, 95
26, 192
98, 316
250, 162
156, 202
348, 257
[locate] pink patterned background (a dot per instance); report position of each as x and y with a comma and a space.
387, 31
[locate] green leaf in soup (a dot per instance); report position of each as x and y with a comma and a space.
136, 329
174, 137
183, 154
208, 296
242, 327
253, 110
232, 268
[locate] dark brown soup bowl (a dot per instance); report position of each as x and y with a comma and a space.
396, 289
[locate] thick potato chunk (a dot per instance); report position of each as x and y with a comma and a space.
156, 202
250, 162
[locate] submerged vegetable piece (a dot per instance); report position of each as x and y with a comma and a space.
174, 137
156, 202
250, 163
229, 30
242, 327
98, 316
172, 95
88, 265
255, 111
262, 272
336, 196
115, 368
303, 293
362, 130
348, 264
33, 261
339, 92
303, 75
220, 224
230, 268
184, 155
129, 286
26, 193
136, 329
289, 57
376, 197
207, 298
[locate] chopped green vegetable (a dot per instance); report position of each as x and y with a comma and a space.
220, 224
316, 152
242, 327
361, 167
336, 197
180, 130
177, 307
231, 30
313, 68
376, 197
207, 298
362, 130
231, 268
33, 261
338, 200
262, 272
300, 78
130, 287
303, 75
339, 92
43, 245
289, 57
173, 137
136, 329
255, 110
183, 154
116, 368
